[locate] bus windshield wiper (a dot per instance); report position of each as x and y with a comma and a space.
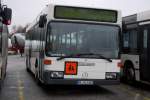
74, 55
82, 54
103, 57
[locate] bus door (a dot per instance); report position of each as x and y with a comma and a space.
145, 53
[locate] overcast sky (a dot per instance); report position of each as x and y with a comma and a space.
24, 11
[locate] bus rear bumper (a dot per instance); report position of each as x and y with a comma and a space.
81, 82
47, 80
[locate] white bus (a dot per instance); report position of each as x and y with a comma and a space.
5, 19
136, 47
74, 45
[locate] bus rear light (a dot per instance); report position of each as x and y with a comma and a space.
7, 22
111, 75
57, 75
119, 64
47, 62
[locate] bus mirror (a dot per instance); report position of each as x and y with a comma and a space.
6, 15
42, 21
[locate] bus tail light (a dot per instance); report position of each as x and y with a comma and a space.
7, 22
47, 62
119, 64
111, 75
57, 75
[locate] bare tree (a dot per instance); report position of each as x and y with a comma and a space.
14, 28
19, 29
26, 26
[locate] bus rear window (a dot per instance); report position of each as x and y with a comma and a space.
76, 13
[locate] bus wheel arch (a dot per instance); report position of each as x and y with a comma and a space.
36, 63
36, 68
129, 71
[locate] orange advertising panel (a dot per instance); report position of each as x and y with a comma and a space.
71, 68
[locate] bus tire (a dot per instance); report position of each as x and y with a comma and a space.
36, 73
5, 69
129, 73
27, 69
37, 79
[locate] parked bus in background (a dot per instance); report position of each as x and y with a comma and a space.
5, 19
136, 47
74, 45
18, 42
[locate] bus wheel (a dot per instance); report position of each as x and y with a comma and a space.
36, 73
36, 78
27, 66
0, 86
129, 73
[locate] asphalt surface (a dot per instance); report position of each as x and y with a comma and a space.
20, 85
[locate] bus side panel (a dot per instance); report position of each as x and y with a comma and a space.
135, 61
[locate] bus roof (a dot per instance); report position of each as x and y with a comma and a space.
47, 10
78, 5
138, 17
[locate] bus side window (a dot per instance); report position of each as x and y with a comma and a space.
133, 40
130, 43
145, 38
126, 40
1, 30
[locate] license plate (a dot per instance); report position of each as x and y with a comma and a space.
85, 82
